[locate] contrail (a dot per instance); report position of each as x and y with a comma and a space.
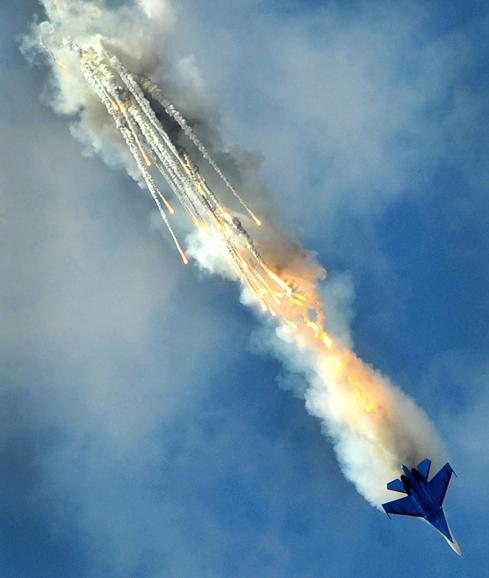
103, 64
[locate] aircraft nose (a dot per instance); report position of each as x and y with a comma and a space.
455, 547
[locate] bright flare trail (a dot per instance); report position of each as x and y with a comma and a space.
127, 100
373, 425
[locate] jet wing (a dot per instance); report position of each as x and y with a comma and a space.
439, 484
403, 507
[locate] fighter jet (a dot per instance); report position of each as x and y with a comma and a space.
424, 498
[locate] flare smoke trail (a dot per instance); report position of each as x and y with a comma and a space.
107, 72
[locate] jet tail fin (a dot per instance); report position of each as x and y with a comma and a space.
424, 468
439, 484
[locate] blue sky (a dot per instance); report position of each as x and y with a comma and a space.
141, 434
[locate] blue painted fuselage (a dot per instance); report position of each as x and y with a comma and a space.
418, 489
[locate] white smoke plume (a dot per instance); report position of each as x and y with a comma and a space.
138, 111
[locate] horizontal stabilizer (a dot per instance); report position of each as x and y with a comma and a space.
396, 486
403, 507
424, 468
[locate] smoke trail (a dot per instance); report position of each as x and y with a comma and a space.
107, 72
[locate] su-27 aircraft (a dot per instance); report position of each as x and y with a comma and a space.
424, 498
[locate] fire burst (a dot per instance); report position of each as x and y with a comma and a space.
129, 100
371, 420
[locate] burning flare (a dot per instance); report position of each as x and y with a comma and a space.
374, 426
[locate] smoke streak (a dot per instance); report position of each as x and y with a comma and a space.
106, 71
